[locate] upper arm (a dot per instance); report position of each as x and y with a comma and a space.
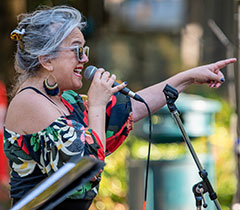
28, 113
119, 121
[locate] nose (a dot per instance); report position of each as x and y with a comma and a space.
84, 58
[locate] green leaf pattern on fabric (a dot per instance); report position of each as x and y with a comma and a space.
109, 134
35, 142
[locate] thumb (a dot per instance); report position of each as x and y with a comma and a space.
219, 77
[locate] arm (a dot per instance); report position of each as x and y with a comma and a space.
154, 97
99, 94
96, 121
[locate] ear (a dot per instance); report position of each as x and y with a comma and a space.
45, 62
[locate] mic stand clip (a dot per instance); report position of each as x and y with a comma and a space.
198, 190
204, 186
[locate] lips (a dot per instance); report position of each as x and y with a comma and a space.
78, 71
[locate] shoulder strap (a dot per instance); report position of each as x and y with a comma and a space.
39, 92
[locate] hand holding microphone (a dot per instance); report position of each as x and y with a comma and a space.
89, 73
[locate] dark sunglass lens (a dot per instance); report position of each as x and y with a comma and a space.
80, 53
86, 51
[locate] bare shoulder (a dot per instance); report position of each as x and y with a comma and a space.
29, 112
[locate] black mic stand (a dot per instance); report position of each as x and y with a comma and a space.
204, 186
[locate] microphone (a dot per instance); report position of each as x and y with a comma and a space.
89, 74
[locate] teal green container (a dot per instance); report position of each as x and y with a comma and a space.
197, 114
170, 183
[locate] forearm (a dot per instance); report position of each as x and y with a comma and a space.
155, 97
96, 121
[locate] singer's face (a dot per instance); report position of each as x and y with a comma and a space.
67, 67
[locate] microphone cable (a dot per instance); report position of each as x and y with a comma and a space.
148, 156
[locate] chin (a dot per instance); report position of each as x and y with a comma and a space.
77, 86
73, 87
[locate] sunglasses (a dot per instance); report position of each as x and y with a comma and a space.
80, 51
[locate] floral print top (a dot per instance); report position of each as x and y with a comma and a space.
35, 156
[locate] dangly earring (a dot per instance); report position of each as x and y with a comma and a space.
51, 90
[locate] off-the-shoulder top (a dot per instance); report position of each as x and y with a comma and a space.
35, 156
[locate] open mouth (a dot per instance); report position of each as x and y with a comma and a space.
77, 72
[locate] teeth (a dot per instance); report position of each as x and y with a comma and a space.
78, 70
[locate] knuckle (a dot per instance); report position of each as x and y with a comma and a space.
113, 77
100, 71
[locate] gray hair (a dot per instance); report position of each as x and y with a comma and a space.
44, 30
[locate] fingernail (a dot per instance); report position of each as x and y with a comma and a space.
222, 80
125, 82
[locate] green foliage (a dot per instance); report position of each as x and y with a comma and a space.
222, 144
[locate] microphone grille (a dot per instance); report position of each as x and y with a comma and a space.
89, 72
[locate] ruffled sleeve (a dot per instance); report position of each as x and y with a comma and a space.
53, 146
119, 121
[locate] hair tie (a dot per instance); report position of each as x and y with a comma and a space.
17, 35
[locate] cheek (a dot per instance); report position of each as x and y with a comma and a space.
68, 57
68, 64
65, 64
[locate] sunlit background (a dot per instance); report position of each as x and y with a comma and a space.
144, 42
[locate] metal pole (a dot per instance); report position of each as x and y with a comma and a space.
229, 54
175, 115
171, 95
237, 145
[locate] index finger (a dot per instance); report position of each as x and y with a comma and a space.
98, 73
223, 63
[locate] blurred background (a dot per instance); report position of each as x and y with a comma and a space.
144, 42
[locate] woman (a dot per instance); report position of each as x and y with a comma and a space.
47, 122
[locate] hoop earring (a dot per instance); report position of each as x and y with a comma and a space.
51, 90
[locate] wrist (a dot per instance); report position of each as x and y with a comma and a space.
183, 80
187, 77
